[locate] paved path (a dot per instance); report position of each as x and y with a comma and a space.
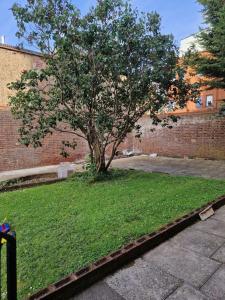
190, 266
7, 175
174, 166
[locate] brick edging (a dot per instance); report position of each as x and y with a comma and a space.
78, 281
29, 185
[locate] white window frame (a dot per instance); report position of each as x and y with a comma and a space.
207, 101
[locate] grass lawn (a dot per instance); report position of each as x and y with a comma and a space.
62, 227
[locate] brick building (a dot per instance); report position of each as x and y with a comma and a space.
199, 133
13, 155
210, 100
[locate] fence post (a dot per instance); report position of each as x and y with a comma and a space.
9, 239
11, 269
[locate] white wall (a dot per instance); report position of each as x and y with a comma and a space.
188, 42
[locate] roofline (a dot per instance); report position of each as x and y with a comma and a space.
193, 34
21, 50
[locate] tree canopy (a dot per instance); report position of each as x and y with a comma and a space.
103, 71
212, 40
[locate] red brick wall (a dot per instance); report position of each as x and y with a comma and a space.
16, 156
195, 135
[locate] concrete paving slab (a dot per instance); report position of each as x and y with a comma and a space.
99, 291
220, 215
143, 281
182, 263
200, 242
219, 255
7, 175
187, 292
215, 286
27, 172
174, 166
212, 226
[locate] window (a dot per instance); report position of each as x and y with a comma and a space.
209, 100
199, 102
171, 105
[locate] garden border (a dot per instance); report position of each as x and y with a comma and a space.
21, 186
82, 279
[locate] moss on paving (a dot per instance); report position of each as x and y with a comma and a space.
64, 226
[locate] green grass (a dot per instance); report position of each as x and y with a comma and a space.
62, 227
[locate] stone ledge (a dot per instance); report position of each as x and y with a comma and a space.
29, 185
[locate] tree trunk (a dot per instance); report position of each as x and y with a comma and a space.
99, 158
97, 152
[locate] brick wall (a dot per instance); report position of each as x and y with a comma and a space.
16, 156
195, 135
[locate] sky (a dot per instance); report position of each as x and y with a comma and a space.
179, 17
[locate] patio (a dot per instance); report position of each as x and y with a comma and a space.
175, 166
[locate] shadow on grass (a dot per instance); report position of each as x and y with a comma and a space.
111, 175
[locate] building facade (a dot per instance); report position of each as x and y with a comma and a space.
199, 132
13, 155
209, 100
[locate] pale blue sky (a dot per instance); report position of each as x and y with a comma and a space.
179, 17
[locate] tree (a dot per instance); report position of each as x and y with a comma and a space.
103, 72
212, 39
